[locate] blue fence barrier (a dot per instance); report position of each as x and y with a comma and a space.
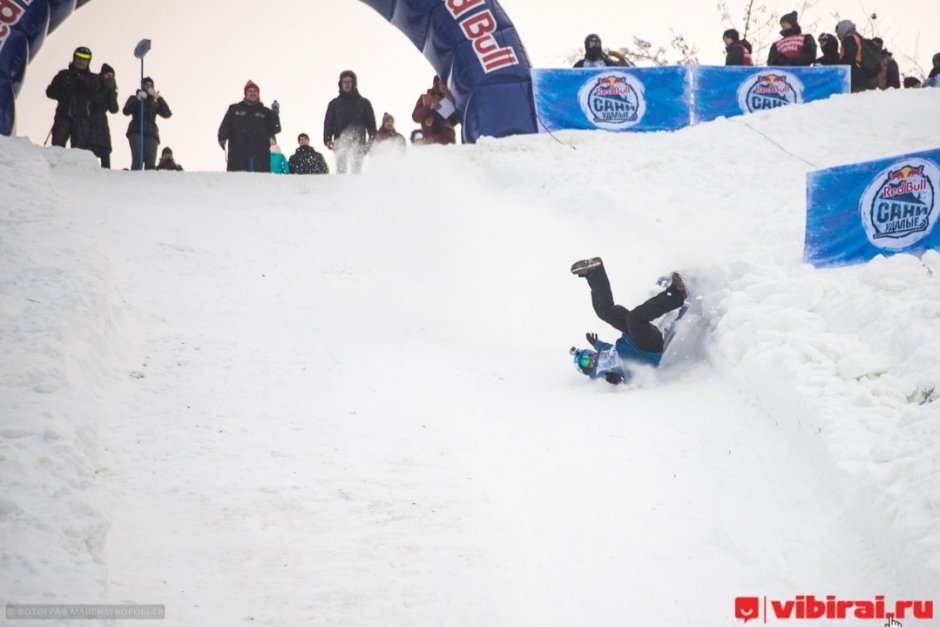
883, 207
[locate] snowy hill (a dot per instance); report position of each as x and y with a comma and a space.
327, 400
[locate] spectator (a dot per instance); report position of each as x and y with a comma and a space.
306, 160
594, 55
933, 79
851, 54
890, 74
794, 48
912, 81
387, 133
417, 137
830, 50
154, 105
349, 125
167, 162
436, 113
74, 88
248, 127
105, 102
737, 50
279, 164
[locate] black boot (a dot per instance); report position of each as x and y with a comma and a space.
585, 266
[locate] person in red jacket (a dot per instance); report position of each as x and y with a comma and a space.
436, 113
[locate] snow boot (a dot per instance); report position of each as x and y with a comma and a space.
585, 266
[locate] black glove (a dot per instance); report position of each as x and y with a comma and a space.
141, 94
613, 378
222, 143
591, 338
275, 106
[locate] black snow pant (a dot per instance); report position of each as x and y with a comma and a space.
636, 323
150, 151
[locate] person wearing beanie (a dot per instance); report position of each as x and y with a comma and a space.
167, 162
306, 160
594, 55
851, 54
75, 88
387, 133
153, 105
830, 50
246, 131
437, 114
349, 125
99, 139
794, 48
737, 50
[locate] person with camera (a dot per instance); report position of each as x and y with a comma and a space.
247, 129
153, 105
75, 89
105, 102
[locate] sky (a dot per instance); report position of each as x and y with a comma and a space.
310, 401
204, 52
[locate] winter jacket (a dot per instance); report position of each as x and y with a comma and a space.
103, 103
602, 61
308, 161
794, 49
851, 55
279, 164
153, 106
168, 163
248, 129
890, 75
383, 135
830, 51
75, 90
739, 53
352, 113
618, 358
434, 128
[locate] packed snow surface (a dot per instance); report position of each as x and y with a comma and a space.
348, 400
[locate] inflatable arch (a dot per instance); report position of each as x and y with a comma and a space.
470, 43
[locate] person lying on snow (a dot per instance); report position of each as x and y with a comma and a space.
641, 342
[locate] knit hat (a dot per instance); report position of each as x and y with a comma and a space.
167, 151
731, 34
790, 18
251, 85
106, 69
388, 116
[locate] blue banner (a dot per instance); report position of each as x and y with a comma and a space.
859, 211
730, 91
613, 98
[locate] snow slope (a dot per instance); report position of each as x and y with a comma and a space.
296, 401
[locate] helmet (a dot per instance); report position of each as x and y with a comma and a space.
82, 53
585, 360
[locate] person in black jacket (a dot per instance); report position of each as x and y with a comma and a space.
248, 127
154, 105
349, 125
306, 160
106, 101
830, 50
890, 75
594, 55
737, 50
167, 162
851, 54
75, 88
794, 48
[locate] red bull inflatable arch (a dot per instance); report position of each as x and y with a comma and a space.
472, 44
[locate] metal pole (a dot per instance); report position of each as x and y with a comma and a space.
140, 51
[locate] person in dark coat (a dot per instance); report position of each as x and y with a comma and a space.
349, 125
306, 160
248, 127
890, 75
794, 48
75, 88
154, 105
737, 50
933, 79
851, 54
436, 113
829, 46
167, 162
105, 102
594, 55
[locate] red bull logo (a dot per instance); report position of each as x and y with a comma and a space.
769, 91
898, 208
479, 28
10, 14
613, 101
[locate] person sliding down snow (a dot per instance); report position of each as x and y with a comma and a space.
641, 341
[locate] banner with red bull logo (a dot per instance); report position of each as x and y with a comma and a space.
884, 207
613, 98
729, 91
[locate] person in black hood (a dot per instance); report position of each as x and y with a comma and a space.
349, 125
737, 50
154, 105
794, 48
830, 50
594, 55
75, 88
99, 139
